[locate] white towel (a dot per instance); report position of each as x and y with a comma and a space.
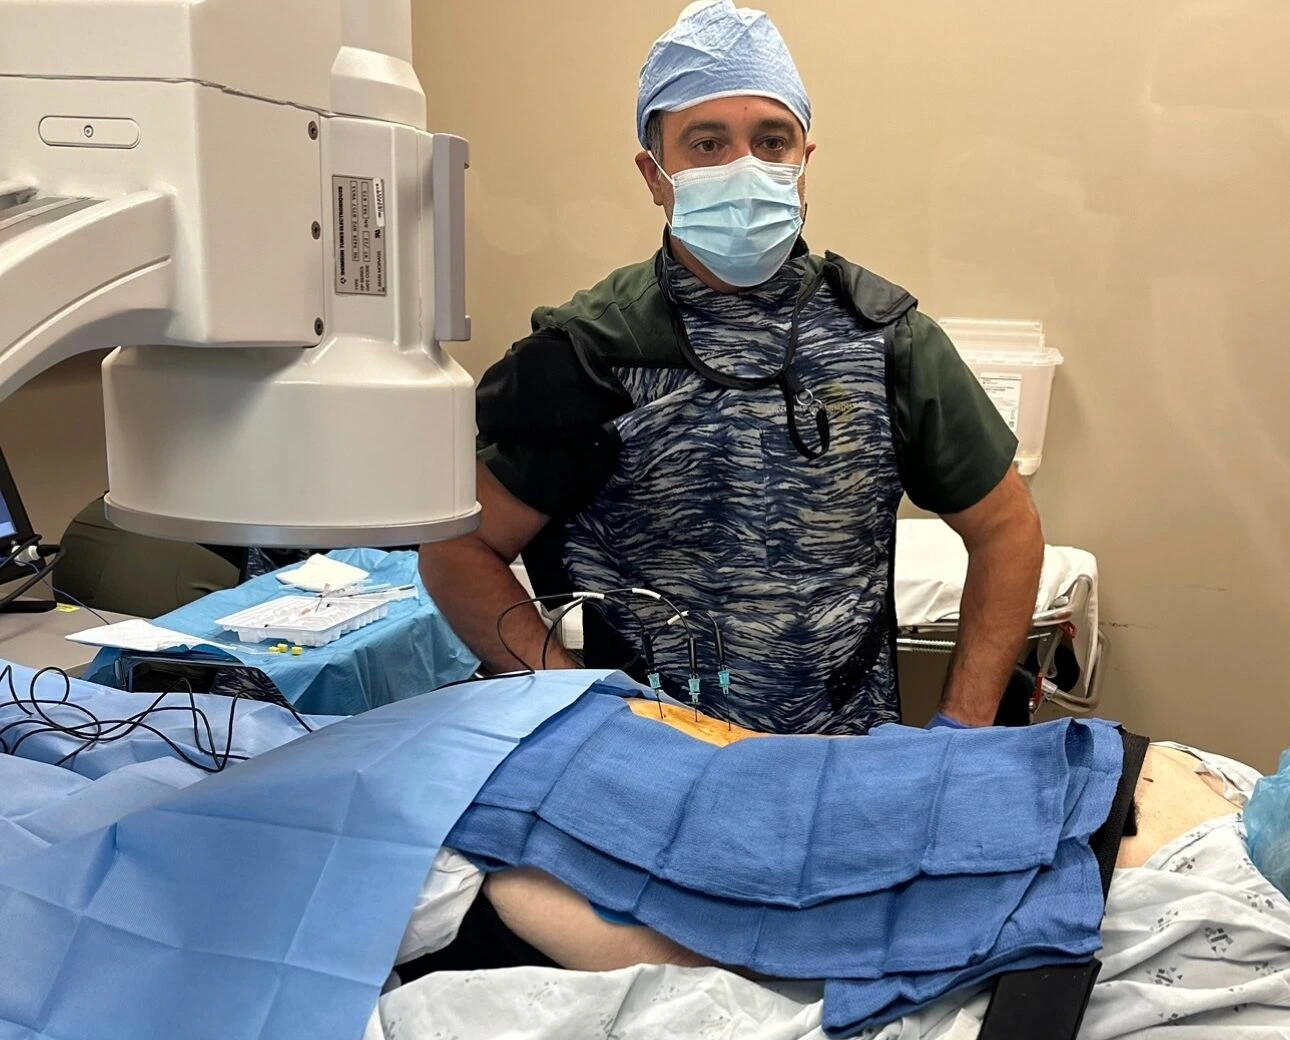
321, 573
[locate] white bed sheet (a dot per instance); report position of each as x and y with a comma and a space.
931, 566
1196, 947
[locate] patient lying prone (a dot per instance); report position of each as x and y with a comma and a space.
1171, 799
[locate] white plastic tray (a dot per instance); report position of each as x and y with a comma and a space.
305, 620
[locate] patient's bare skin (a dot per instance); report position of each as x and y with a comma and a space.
1171, 799
688, 721
552, 917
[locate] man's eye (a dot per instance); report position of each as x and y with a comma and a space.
774, 144
706, 147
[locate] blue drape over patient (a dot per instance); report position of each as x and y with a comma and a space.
897, 866
268, 900
142, 898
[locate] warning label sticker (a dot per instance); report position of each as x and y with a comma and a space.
358, 214
1005, 392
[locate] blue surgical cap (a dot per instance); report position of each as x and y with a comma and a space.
717, 50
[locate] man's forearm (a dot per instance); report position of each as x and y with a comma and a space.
472, 586
994, 619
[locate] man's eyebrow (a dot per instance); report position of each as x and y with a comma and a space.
705, 126
788, 127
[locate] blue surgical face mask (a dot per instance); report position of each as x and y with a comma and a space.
739, 220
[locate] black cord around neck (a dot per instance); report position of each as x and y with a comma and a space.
797, 397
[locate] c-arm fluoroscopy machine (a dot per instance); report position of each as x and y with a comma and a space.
242, 199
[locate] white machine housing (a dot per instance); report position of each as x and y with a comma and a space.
242, 198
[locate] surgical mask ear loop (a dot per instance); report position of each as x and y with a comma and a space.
666, 176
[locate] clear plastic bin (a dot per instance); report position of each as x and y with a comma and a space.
1015, 366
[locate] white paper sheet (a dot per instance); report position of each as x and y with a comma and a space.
135, 634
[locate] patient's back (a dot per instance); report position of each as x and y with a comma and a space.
1171, 799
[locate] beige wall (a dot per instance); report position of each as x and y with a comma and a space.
1118, 170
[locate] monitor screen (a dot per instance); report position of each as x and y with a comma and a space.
14, 525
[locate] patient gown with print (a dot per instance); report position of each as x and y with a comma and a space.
897, 866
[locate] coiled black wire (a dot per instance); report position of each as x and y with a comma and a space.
610, 595
93, 731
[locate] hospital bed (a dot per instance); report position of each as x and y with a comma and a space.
931, 565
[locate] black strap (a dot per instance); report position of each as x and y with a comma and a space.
1121, 820
1049, 1003
796, 395
733, 382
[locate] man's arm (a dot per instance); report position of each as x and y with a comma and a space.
471, 581
1005, 545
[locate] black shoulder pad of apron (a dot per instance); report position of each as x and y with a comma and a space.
543, 387
624, 320
873, 298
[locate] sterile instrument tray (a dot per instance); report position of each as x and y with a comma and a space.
305, 620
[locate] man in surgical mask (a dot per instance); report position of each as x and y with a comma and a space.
732, 424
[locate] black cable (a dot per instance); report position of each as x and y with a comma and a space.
580, 597
129, 726
16, 550
659, 597
110, 731
716, 638
96, 736
646, 643
723, 674
232, 712
691, 643
39, 575
58, 593
716, 635
612, 594
555, 623
532, 601
300, 719
651, 668
481, 678
95, 731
